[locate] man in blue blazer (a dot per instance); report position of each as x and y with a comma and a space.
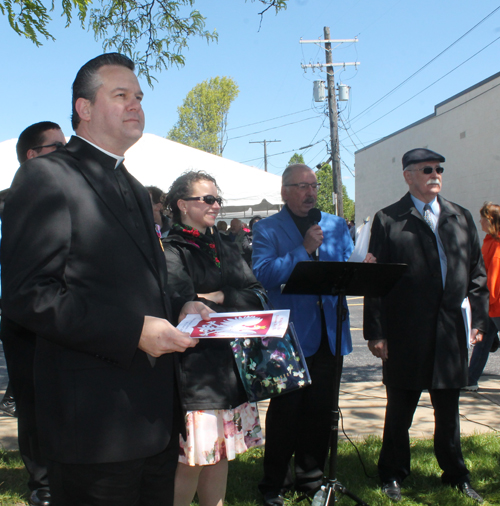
299, 422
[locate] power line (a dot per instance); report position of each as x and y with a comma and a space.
347, 132
424, 66
265, 141
382, 15
269, 156
266, 120
348, 168
272, 128
427, 87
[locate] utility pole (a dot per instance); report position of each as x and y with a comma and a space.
265, 150
338, 199
334, 129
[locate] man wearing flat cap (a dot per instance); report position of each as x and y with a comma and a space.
418, 329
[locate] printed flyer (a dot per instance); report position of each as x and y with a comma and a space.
237, 325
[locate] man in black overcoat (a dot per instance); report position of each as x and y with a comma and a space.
19, 343
418, 329
83, 269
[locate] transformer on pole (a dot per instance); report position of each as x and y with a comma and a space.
319, 91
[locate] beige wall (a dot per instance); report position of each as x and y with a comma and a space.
465, 129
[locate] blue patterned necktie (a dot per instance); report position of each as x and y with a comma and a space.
427, 216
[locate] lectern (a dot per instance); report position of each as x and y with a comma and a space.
341, 279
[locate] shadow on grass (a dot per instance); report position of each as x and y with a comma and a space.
422, 487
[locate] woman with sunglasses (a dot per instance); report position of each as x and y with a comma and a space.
490, 224
220, 422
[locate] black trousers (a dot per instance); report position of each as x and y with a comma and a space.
19, 346
299, 422
394, 461
146, 481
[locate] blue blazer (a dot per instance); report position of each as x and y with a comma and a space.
277, 247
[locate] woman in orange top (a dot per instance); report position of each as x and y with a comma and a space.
490, 223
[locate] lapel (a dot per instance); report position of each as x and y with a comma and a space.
93, 165
425, 235
446, 219
144, 203
449, 233
289, 228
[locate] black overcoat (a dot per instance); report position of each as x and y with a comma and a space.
77, 273
209, 378
421, 320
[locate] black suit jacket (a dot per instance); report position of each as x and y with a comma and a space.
421, 320
77, 272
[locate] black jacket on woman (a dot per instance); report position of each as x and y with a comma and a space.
209, 377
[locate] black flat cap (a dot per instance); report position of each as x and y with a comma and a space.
421, 155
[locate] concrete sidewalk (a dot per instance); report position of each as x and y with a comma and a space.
363, 409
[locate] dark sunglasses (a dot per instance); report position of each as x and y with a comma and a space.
56, 145
428, 170
208, 199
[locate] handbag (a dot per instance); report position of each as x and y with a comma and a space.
270, 366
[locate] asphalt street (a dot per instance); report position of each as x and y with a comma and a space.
361, 365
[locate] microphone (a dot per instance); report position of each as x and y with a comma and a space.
314, 216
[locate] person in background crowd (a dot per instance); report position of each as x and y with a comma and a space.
299, 422
220, 421
490, 224
84, 270
162, 222
253, 221
222, 227
417, 329
352, 230
240, 238
19, 343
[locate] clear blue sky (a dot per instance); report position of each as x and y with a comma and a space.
396, 39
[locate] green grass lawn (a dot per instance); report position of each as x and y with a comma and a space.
482, 454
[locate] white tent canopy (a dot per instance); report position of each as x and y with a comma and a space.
156, 161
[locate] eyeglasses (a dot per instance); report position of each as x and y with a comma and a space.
208, 199
428, 170
56, 145
304, 186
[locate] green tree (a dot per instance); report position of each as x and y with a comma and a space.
202, 119
154, 33
296, 158
325, 203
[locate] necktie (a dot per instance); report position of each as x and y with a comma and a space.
427, 216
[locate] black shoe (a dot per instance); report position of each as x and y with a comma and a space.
466, 488
273, 499
392, 489
40, 497
8, 406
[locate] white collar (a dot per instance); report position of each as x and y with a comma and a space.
119, 159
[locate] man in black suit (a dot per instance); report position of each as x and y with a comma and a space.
418, 329
19, 343
84, 271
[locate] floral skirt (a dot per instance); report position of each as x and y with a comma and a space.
213, 435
